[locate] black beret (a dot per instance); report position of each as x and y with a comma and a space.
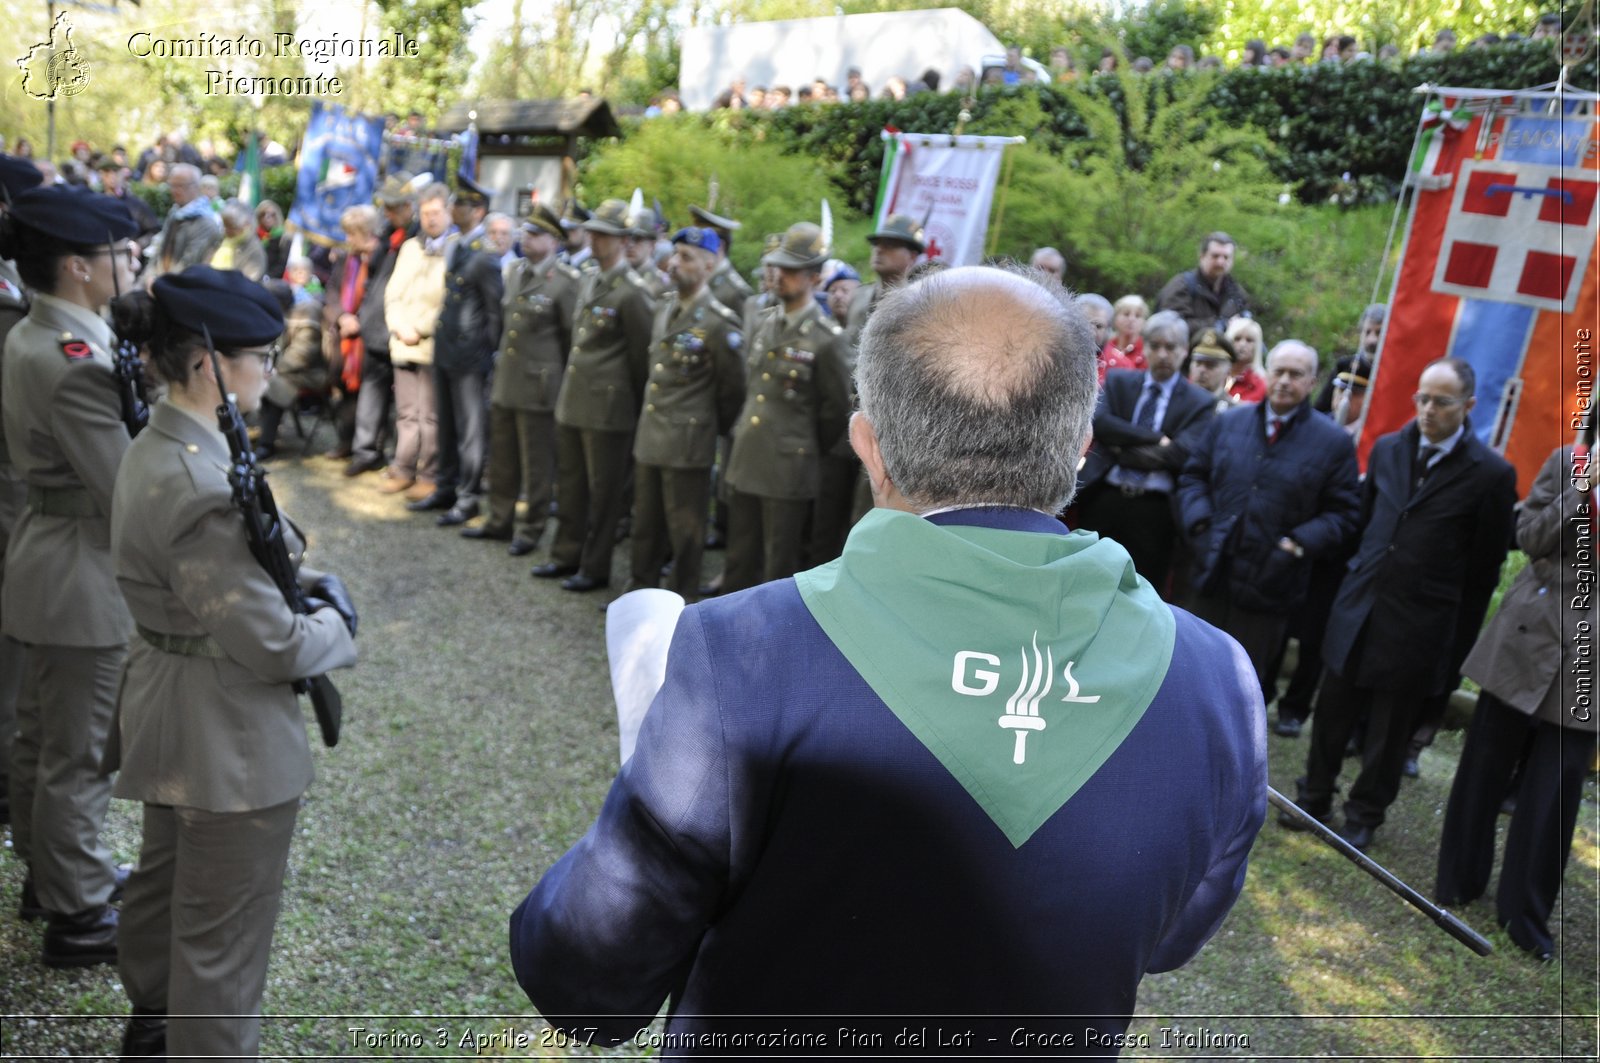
17, 176
237, 311
74, 215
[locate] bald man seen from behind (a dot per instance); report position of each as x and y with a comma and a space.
974, 766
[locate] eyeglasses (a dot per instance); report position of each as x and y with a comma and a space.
128, 251
1443, 402
269, 357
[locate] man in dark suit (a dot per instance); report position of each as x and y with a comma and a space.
463, 357
1271, 488
1436, 518
1144, 430
853, 796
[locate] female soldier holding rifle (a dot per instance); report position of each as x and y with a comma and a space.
213, 740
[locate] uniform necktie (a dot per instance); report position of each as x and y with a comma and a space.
1274, 430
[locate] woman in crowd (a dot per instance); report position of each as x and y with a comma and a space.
1247, 385
1125, 348
213, 740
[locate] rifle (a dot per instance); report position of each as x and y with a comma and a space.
264, 528
129, 367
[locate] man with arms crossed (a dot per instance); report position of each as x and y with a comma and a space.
928, 777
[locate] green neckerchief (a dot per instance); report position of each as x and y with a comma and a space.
1020, 659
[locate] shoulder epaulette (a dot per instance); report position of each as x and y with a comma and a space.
572, 273
637, 281
722, 311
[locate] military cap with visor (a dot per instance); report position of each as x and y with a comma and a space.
1214, 345
396, 189
541, 219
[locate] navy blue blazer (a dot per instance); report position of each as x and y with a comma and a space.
1239, 497
1118, 441
1415, 593
780, 844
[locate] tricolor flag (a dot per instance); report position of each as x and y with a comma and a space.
338, 169
1498, 268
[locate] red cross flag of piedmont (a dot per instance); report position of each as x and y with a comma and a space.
1498, 267
947, 182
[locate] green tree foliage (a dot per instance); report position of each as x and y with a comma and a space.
758, 182
429, 82
1158, 26
1373, 23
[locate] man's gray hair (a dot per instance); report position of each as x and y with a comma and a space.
1374, 312
438, 191
1095, 299
1170, 325
237, 215
949, 440
1294, 345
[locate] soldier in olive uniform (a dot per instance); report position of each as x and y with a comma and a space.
64, 430
541, 294
645, 228
727, 287
575, 250
599, 407
211, 737
16, 176
797, 407
696, 385
895, 248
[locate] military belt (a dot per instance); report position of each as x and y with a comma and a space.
182, 645
62, 502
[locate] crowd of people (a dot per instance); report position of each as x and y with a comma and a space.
569, 381
1062, 68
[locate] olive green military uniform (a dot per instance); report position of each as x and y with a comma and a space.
695, 389
64, 430
797, 406
728, 287
862, 302
538, 306
655, 285
13, 496
598, 407
211, 736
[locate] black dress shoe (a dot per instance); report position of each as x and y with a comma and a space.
1409, 769
358, 466
435, 500
1359, 835
266, 453
582, 583
520, 547
457, 514
1287, 726
81, 940
484, 531
119, 882
145, 1034
553, 570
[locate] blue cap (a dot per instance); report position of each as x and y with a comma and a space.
845, 272
706, 239
17, 176
236, 310
74, 215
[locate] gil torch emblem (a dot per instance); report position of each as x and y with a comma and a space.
1022, 707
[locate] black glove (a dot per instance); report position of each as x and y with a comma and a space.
330, 592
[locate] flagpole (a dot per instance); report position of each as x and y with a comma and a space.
1000, 211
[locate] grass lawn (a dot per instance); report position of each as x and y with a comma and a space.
480, 738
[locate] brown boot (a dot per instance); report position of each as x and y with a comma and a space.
419, 490
393, 485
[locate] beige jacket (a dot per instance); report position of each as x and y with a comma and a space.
413, 298
220, 733
64, 431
